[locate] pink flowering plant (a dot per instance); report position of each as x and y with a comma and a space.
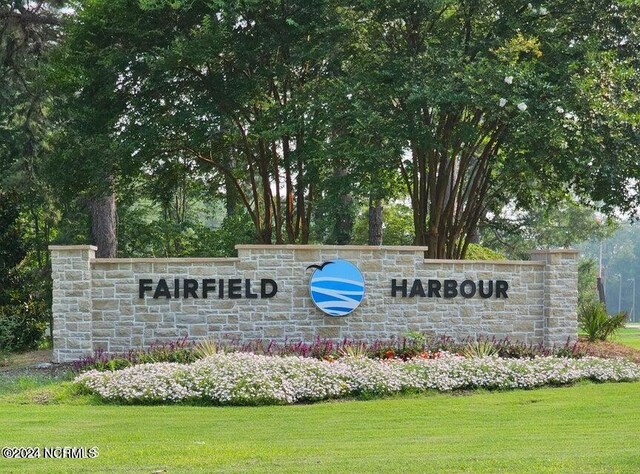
407, 347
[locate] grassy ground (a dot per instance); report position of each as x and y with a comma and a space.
587, 428
629, 336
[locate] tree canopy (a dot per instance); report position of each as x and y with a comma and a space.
499, 102
295, 111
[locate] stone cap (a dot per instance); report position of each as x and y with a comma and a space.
552, 251
73, 247
554, 256
487, 262
330, 247
165, 260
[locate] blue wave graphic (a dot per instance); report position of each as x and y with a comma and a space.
338, 288
337, 285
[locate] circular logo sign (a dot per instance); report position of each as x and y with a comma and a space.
337, 287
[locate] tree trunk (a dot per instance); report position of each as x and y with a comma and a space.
232, 198
343, 226
474, 235
375, 221
344, 222
102, 210
601, 294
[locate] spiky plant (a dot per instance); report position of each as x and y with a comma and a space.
205, 348
480, 348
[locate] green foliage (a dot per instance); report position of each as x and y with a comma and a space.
279, 103
397, 227
12, 250
335, 211
25, 289
448, 81
356, 350
22, 326
587, 282
478, 252
29, 31
146, 231
562, 224
235, 230
25, 313
596, 323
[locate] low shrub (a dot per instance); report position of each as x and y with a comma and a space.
404, 348
250, 379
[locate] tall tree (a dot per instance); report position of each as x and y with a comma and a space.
473, 104
29, 30
245, 74
496, 100
88, 157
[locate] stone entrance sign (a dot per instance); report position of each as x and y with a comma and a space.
124, 303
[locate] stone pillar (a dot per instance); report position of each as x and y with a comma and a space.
560, 294
71, 273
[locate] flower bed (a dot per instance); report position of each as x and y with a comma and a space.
248, 379
408, 347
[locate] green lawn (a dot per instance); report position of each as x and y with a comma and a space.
588, 428
629, 336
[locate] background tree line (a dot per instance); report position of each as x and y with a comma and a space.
169, 128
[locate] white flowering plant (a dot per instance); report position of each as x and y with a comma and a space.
250, 379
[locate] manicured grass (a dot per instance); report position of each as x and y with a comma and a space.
19, 384
588, 428
629, 336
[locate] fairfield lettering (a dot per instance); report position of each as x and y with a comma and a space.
232, 288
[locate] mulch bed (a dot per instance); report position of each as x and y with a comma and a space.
608, 350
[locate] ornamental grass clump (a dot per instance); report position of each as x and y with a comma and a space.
480, 348
596, 323
205, 348
251, 379
354, 350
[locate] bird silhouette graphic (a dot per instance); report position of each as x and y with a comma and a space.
319, 267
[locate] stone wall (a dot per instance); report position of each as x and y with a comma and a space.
96, 302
